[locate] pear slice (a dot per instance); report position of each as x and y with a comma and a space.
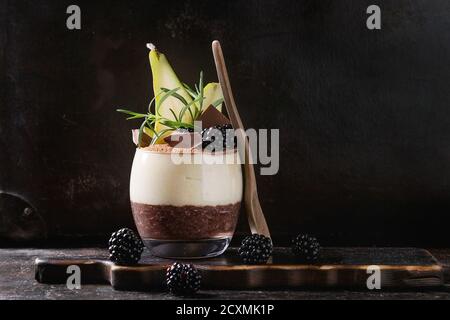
212, 93
148, 132
165, 77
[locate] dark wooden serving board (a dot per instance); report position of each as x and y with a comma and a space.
337, 268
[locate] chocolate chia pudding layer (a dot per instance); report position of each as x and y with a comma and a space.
165, 222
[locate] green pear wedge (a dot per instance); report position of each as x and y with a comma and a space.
164, 77
212, 93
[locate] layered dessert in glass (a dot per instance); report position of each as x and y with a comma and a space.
186, 179
185, 210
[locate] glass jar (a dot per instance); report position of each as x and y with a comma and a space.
186, 204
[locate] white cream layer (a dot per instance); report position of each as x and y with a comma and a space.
157, 180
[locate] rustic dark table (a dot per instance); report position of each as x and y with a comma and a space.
17, 282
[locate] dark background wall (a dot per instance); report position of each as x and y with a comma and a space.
364, 115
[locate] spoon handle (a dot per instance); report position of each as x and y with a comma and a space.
255, 215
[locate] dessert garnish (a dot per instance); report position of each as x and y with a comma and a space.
218, 132
306, 247
175, 104
145, 138
219, 137
256, 249
184, 138
125, 247
183, 279
213, 117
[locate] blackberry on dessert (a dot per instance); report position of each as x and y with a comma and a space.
219, 137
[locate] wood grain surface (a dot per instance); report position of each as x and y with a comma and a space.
17, 281
337, 268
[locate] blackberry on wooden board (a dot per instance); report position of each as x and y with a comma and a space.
306, 247
256, 249
125, 247
183, 279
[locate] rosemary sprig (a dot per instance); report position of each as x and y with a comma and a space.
189, 90
194, 108
176, 95
141, 132
168, 94
173, 113
134, 115
217, 103
201, 97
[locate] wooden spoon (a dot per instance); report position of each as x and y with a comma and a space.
255, 215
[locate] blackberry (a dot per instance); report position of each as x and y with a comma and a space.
210, 135
125, 248
306, 247
183, 279
256, 249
